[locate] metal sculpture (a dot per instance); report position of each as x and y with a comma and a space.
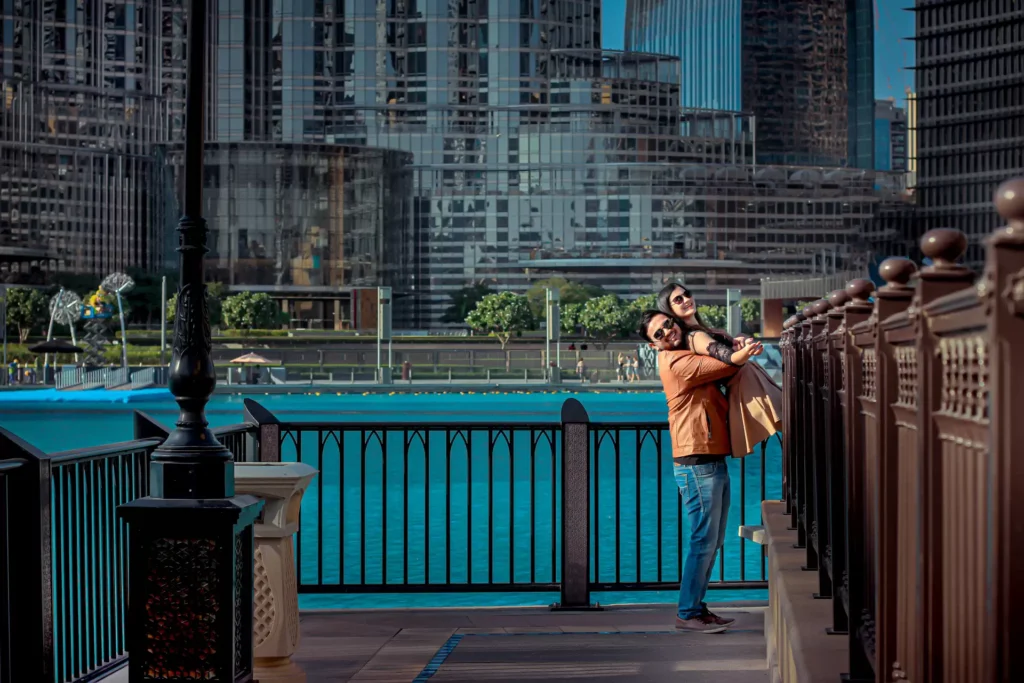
65, 309
119, 284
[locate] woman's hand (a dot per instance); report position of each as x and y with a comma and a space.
741, 341
741, 355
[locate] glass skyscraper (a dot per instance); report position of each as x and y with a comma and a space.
860, 32
419, 144
524, 151
805, 70
705, 34
81, 118
968, 113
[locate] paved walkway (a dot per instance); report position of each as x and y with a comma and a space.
629, 644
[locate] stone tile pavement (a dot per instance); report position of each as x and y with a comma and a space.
627, 643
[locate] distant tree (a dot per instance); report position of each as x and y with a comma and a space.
568, 293
215, 293
604, 318
570, 318
714, 316
26, 308
249, 311
750, 311
142, 302
502, 315
635, 308
463, 303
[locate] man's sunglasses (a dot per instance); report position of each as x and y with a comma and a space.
680, 298
660, 333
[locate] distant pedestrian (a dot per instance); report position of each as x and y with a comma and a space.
581, 370
620, 368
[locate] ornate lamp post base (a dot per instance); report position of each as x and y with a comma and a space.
190, 608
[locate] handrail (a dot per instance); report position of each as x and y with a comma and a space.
11, 465
904, 407
94, 452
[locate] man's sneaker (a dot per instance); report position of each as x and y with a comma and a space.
721, 621
702, 623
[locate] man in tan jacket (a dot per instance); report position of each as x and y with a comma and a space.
698, 415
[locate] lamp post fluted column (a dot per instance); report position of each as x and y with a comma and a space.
191, 554
191, 463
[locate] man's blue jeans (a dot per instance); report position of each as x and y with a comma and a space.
705, 492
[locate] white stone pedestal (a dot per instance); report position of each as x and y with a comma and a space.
275, 595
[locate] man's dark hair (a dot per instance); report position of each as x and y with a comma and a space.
645, 320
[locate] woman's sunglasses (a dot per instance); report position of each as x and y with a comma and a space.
660, 333
680, 298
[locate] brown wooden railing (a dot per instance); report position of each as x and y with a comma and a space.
899, 464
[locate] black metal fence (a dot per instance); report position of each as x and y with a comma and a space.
397, 508
66, 557
479, 507
7, 468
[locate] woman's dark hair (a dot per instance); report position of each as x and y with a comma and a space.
665, 306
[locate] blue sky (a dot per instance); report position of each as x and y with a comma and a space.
893, 52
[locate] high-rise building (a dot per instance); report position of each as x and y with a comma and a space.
860, 82
911, 178
292, 211
795, 79
890, 137
970, 112
707, 37
513, 149
805, 70
81, 118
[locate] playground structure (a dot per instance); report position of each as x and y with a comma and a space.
67, 308
96, 313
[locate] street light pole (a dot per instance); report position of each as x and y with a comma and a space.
191, 531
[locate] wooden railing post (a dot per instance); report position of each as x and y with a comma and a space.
787, 346
890, 301
943, 277
802, 441
1004, 283
268, 436
861, 626
835, 446
816, 402
575, 584
786, 350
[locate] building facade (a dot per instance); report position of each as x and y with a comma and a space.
970, 112
805, 70
707, 37
795, 80
890, 137
860, 82
81, 121
533, 153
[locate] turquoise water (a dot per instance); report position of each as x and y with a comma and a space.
472, 506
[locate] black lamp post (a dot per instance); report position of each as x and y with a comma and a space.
191, 556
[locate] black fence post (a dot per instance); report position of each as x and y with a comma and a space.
30, 553
575, 584
268, 433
